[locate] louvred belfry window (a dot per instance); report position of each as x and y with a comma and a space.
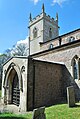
50, 33
35, 32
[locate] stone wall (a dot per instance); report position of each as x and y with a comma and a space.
48, 84
64, 39
45, 83
30, 90
63, 54
19, 65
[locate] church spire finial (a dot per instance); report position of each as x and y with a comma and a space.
57, 16
30, 17
43, 8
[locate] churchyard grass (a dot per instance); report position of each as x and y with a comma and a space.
61, 111
15, 116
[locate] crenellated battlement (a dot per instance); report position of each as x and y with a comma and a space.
41, 16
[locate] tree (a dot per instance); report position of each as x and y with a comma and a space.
3, 58
20, 49
8, 53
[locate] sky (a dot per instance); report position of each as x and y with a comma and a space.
14, 18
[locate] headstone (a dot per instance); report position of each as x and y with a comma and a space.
39, 113
70, 96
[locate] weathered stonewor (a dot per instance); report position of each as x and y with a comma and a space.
39, 113
70, 96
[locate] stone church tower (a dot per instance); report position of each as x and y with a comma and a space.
41, 29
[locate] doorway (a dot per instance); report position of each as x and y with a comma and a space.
15, 90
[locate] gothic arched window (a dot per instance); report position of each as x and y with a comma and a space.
35, 32
50, 33
76, 67
51, 46
71, 39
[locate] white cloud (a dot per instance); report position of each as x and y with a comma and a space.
23, 41
59, 2
35, 1
21, 48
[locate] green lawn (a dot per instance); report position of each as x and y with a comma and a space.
54, 112
62, 111
15, 116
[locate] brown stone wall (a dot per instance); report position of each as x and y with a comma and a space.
64, 54
48, 84
50, 80
45, 84
30, 84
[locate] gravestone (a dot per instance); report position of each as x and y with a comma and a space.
39, 113
70, 96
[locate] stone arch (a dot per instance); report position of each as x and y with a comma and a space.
75, 63
74, 58
71, 38
35, 30
13, 71
51, 46
9, 69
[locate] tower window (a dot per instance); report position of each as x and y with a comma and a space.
35, 32
50, 33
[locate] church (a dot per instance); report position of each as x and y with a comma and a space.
53, 64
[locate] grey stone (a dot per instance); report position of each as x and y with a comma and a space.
39, 113
70, 96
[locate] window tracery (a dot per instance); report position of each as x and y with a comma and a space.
50, 33
76, 67
51, 46
71, 38
35, 32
